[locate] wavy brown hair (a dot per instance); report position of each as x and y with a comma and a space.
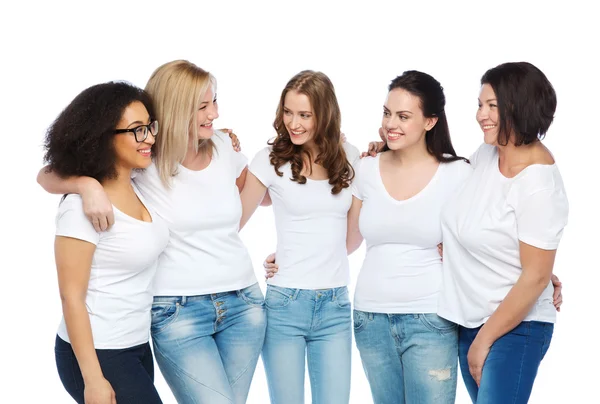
326, 111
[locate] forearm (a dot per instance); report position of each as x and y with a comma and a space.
54, 184
515, 307
79, 329
353, 241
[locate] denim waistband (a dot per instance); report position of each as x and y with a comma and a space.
310, 294
182, 300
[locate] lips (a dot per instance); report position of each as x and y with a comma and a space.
297, 133
394, 135
207, 125
145, 152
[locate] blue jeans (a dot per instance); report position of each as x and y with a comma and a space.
408, 358
130, 372
207, 346
511, 366
308, 324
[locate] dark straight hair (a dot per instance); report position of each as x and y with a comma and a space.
433, 102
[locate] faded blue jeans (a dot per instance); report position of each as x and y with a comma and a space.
408, 358
313, 325
207, 346
511, 365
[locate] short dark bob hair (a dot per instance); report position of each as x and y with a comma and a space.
526, 101
80, 141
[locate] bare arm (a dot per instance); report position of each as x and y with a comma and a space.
353, 237
537, 267
73, 263
252, 195
96, 205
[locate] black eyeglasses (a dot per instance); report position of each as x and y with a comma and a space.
141, 132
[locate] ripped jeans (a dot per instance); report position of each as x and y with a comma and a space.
408, 358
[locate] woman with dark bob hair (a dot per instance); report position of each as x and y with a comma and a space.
501, 232
102, 351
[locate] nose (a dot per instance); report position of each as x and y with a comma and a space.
213, 112
390, 122
295, 122
150, 139
482, 113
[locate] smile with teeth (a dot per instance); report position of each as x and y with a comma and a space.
207, 125
393, 135
297, 132
145, 152
487, 127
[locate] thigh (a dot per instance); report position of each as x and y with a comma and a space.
186, 352
240, 337
430, 359
68, 369
284, 350
125, 371
465, 339
511, 366
329, 349
379, 356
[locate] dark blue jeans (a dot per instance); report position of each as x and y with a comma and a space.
511, 366
129, 371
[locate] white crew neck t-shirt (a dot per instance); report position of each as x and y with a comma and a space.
119, 295
311, 226
482, 226
203, 210
402, 269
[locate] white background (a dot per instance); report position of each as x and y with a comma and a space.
51, 51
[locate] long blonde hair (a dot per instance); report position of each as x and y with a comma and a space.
177, 89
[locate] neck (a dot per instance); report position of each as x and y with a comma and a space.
511, 155
412, 155
312, 148
192, 154
122, 182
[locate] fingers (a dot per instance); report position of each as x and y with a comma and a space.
382, 134
103, 223
558, 302
111, 219
228, 131
270, 258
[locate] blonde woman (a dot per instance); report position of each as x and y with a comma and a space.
208, 316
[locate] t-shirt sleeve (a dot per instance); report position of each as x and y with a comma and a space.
72, 222
238, 159
357, 190
541, 217
480, 150
261, 167
352, 154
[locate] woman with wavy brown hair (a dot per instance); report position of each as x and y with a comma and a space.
307, 171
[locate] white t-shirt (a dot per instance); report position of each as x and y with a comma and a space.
202, 209
119, 295
482, 226
402, 270
311, 226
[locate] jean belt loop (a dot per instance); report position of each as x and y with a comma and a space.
334, 293
183, 300
295, 294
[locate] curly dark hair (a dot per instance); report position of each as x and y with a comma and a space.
80, 141
319, 90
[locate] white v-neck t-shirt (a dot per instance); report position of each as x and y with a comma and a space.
203, 209
482, 226
402, 269
119, 295
311, 226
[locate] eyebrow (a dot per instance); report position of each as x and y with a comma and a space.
138, 123
398, 112
300, 112
488, 100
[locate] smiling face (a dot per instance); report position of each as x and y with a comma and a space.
487, 114
129, 153
207, 113
299, 118
403, 122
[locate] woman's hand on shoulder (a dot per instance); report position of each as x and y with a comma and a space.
375, 147
96, 206
235, 142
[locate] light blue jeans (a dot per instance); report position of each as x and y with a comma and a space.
207, 346
408, 358
308, 324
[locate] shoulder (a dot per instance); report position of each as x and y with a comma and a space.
484, 153
352, 153
539, 177
458, 168
71, 203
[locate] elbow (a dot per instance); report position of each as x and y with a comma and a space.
72, 299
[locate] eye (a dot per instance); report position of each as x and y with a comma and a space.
493, 105
202, 108
403, 117
215, 100
305, 116
286, 112
386, 113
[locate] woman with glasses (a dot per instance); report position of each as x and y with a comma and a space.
208, 317
102, 350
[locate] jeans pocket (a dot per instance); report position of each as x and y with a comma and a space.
359, 320
342, 299
252, 295
437, 324
163, 314
277, 297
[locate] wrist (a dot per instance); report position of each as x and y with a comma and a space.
92, 376
84, 184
